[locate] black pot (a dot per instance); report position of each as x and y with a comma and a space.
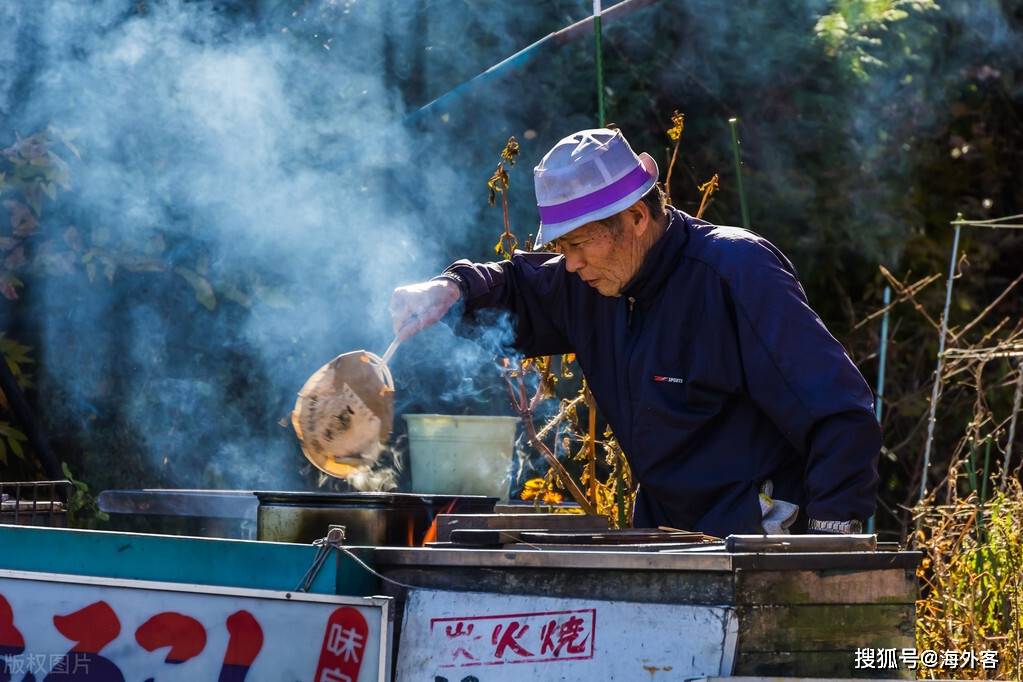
378, 519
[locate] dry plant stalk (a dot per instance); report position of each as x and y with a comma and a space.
678, 124
526, 407
971, 530
591, 442
972, 581
707, 190
906, 291
498, 184
514, 379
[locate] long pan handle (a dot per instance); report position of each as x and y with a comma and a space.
389, 353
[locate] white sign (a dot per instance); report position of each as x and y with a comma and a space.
479, 637
59, 628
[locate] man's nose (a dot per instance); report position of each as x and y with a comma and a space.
573, 262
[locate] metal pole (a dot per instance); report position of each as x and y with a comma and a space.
882, 357
1017, 399
984, 476
883, 354
936, 389
527, 54
600, 63
733, 124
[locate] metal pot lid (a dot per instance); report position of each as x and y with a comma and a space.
344, 413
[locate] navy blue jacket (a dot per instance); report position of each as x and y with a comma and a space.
713, 371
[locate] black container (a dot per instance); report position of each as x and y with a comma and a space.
379, 519
35, 503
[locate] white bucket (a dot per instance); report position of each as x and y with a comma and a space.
460, 454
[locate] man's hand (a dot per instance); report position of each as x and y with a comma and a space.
416, 306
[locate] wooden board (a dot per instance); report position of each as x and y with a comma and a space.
824, 666
890, 586
825, 627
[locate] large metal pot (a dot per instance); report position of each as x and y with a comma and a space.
381, 519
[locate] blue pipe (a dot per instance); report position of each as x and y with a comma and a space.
526, 55
882, 357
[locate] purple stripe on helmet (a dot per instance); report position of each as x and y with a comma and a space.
616, 191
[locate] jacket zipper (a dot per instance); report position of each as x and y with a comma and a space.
630, 346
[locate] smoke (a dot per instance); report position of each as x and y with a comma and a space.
248, 195
246, 200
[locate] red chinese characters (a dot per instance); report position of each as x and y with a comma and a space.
344, 640
92, 628
245, 643
568, 636
185, 636
514, 638
11, 641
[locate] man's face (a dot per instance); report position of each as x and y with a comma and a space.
601, 255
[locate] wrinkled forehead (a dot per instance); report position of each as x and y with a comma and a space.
583, 232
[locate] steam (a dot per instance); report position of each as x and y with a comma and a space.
280, 188
257, 149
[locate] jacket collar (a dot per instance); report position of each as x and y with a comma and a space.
662, 258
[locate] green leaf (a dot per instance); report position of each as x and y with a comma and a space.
23, 221
3, 452
17, 449
100, 236
35, 200
233, 293
109, 268
11, 433
272, 297
203, 291
155, 245
73, 149
141, 264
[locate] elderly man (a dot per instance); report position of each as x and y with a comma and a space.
737, 410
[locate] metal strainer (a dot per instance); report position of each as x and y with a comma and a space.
345, 411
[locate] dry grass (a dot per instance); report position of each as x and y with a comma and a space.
972, 581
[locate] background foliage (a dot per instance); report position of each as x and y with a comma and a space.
866, 126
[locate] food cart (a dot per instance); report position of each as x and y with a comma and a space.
490, 597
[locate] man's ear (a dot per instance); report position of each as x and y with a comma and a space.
637, 218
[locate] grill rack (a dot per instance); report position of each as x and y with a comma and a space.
35, 503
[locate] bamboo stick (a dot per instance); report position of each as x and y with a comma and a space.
936, 388
733, 124
1016, 400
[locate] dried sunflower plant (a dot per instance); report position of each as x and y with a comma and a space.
706, 189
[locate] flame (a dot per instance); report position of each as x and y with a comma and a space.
431, 532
